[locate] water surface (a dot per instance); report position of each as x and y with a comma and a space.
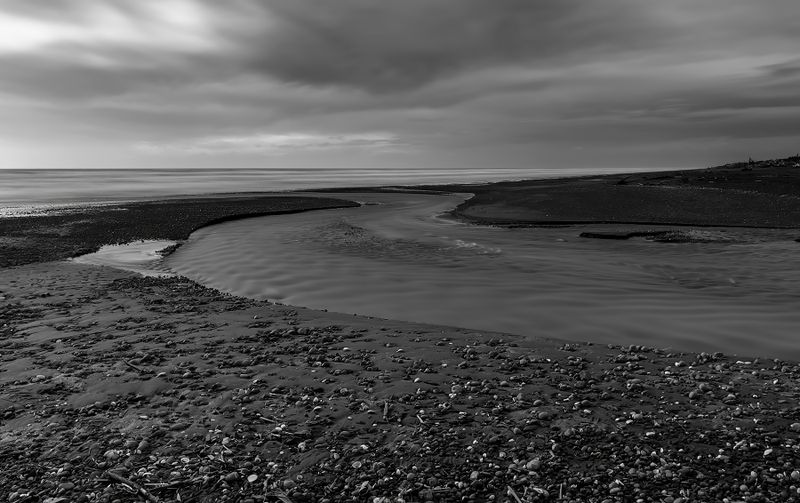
26, 191
396, 258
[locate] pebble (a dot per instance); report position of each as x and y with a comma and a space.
112, 454
533, 464
474, 456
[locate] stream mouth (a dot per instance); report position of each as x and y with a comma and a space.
143, 257
397, 257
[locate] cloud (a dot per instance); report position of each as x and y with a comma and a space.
277, 143
783, 70
396, 46
453, 81
175, 25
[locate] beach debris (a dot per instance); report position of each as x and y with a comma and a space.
141, 491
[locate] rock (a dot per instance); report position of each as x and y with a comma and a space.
112, 454
730, 399
533, 464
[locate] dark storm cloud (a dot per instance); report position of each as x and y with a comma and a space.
395, 46
787, 69
443, 78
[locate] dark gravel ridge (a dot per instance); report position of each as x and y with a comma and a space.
762, 194
48, 237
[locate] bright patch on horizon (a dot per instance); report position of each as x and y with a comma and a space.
277, 143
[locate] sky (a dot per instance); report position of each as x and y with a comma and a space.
440, 84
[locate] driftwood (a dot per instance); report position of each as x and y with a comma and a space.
134, 367
141, 491
282, 496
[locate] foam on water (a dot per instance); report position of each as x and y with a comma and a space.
399, 260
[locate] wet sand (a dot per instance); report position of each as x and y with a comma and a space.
117, 387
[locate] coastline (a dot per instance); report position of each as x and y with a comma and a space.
181, 390
760, 194
58, 236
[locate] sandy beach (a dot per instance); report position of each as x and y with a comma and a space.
117, 387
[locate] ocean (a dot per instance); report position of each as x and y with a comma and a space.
23, 191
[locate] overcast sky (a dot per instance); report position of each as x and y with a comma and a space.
397, 83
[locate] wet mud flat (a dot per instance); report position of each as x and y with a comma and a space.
115, 387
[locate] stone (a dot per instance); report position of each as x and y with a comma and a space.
533, 464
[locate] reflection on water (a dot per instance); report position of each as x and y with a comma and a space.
736, 292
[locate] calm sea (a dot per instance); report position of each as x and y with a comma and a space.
24, 190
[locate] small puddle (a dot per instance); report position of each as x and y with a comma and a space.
142, 257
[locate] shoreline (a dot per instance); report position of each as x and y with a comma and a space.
183, 390
119, 387
49, 237
746, 195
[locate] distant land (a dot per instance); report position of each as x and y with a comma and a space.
742, 194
